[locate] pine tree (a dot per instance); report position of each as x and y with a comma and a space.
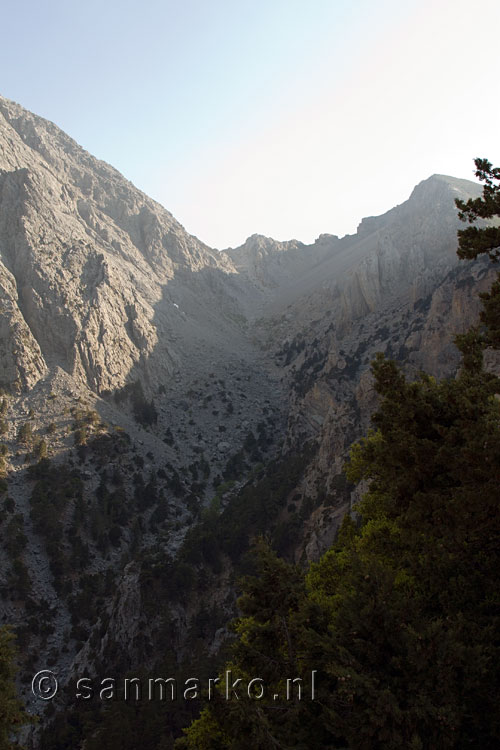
12, 713
401, 618
25, 434
475, 241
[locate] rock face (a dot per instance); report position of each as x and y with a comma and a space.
269, 264
395, 287
100, 280
87, 262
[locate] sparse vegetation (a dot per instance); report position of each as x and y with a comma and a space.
12, 713
144, 411
25, 434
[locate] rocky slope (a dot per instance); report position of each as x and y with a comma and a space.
94, 272
396, 287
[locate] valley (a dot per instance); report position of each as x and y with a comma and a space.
165, 403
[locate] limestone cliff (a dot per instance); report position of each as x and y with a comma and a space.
86, 260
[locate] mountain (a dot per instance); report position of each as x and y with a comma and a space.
164, 402
86, 262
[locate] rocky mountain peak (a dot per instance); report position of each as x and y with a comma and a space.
444, 188
85, 258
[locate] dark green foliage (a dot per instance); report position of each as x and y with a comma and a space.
110, 513
15, 539
144, 411
25, 434
41, 450
235, 466
251, 512
12, 713
115, 534
204, 467
80, 436
85, 422
19, 580
174, 482
146, 495
267, 648
401, 618
55, 488
291, 350
87, 605
106, 447
263, 440
306, 375
139, 462
169, 437
160, 513
475, 241
404, 603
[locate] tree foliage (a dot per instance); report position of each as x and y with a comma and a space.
12, 714
400, 618
475, 241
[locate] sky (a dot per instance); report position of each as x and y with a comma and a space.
278, 117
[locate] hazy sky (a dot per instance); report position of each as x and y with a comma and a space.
281, 117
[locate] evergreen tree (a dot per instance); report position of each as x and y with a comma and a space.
475, 241
25, 434
401, 617
12, 713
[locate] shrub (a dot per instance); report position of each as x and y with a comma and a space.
25, 434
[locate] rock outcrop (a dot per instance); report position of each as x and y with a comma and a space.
87, 264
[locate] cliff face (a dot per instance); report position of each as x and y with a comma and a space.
270, 265
396, 287
332, 396
94, 275
85, 262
